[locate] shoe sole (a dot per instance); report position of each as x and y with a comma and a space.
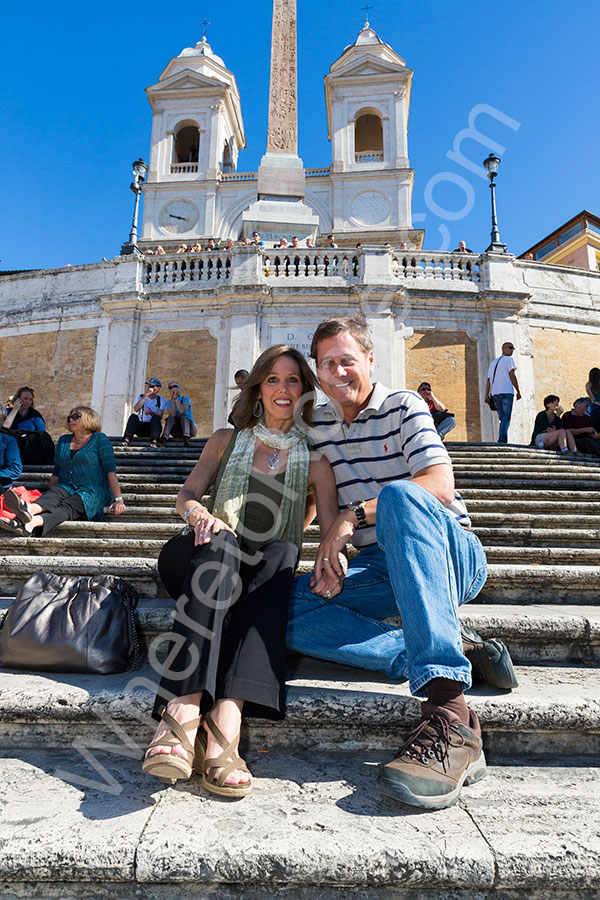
498, 673
17, 506
398, 791
16, 530
165, 770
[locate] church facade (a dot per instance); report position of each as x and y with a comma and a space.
93, 334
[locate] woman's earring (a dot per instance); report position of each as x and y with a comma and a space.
258, 409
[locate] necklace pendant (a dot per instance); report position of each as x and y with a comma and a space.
273, 461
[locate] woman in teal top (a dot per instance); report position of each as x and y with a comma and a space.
83, 481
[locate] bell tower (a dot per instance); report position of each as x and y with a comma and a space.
197, 133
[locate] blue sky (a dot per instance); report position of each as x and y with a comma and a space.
74, 114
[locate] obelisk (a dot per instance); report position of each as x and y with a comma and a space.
279, 210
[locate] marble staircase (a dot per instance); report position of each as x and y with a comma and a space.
80, 820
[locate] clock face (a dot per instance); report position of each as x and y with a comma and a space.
178, 217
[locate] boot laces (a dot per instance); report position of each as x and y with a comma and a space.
431, 739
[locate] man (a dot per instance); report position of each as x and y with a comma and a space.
398, 507
580, 425
331, 242
443, 420
145, 419
501, 385
294, 243
256, 241
180, 421
239, 378
462, 248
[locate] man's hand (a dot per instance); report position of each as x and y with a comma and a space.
329, 570
518, 394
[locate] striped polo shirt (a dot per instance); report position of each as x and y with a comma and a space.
392, 439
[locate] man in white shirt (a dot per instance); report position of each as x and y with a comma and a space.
145, 420
501, 385
418, 558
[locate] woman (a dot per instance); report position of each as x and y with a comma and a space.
27, 426
21, 414
261, 476
83, 481
592, 389
548, 431
443, 420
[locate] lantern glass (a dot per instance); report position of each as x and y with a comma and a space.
491, 163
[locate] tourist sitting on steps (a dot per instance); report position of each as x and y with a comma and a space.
233, 626
180, 421
10, 460
592, 389
418, 557
580, 425
145, 420
443, 420
548, 430
26, 424
83, 481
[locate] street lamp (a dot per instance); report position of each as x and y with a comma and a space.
139, 173
491, 164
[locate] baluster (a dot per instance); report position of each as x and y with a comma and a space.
306, 265
428, 270
227, 267
418, 264
296, 266
286, 262
182, 270
345, 266
276, 264
438, 269
209, 267
219, 266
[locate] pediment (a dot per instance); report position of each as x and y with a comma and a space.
185, 80
368, 65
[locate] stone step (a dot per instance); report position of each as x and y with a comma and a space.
313, 828
554, 712
507, 582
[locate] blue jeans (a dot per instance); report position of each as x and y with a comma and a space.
504, 405
423, 566
444, 427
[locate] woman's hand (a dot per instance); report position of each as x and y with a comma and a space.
325, 582
205, 525
118, 507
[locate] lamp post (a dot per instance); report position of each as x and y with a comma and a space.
139, 173
491, 164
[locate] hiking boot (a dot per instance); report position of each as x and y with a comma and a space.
490, 660
438, 757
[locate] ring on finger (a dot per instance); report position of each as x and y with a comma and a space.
325, 559
328, 593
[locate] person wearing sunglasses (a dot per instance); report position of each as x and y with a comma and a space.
443, 420
84, 480
180, 421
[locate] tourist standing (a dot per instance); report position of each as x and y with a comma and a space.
501, 386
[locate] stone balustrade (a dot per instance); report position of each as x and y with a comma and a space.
349, 266
367, 156
189, 267
317, 173
238, 176
309, 263
446, 266
184, 168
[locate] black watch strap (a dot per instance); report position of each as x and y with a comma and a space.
358, 509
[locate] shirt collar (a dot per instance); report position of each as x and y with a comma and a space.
376, 400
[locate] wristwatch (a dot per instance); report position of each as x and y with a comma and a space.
358, 508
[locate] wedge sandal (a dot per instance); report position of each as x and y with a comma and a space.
226, 761
168, 767
13, 526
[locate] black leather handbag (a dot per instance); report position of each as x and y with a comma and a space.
72, 624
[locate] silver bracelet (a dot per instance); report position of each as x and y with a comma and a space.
186, 514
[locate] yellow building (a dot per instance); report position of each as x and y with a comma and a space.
576, 243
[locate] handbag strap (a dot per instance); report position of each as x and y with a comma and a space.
129, 597
494, 375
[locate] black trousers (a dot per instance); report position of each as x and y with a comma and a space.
59, 506
230, 627
150, 429
587, 444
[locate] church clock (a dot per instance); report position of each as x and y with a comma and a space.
178, 217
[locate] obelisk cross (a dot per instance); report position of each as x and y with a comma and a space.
366, 8
205, 23
282, 134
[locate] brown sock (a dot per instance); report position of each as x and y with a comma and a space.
448, 694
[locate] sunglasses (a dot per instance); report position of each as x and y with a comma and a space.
76, 415
425, 388
173, 386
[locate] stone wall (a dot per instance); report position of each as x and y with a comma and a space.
58, 365
561, 364
448, 360
190, 358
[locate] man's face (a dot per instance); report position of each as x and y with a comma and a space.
153, 390
462, 245
344, 369
508, 349
294, 242
580, 408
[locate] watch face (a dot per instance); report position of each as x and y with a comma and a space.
178, 217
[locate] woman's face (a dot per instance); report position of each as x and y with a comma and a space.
75, 421
281, 390
552, 405
26, 399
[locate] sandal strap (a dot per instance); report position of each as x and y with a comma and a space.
228, 760
178, 730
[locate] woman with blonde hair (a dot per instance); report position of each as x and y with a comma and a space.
83, 482
230, 639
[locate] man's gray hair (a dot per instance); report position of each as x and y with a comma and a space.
333, 325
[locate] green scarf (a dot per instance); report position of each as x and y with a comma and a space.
233, 489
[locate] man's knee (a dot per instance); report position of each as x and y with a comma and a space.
396, 499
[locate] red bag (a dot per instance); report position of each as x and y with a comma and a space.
30, 496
